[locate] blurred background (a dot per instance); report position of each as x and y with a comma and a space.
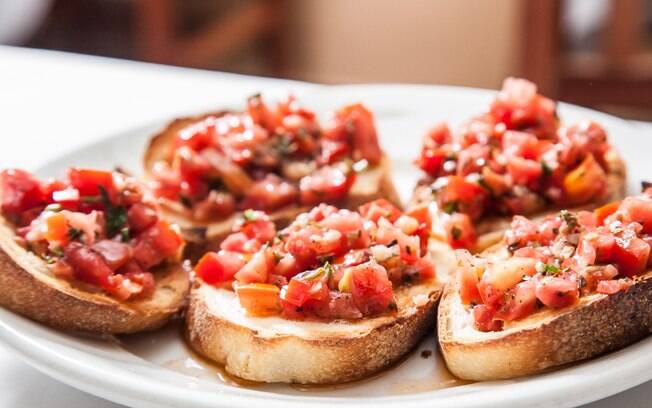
595, 53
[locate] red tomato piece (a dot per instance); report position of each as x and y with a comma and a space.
373, 210
459, 195
115, 254
605, 211
631, 255
612, 286
270, 193
327, 184
370, 287
309, 286
155, 244
56, 229
520, 302
19, 191
140, 217
258, 268
460, 231
637, 209
360, 121
259, 299
467, 280
219, 267
484, 318
89, 266
89, 181
557, 292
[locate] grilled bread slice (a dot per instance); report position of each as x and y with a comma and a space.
273, 349
597, 324
490, 230
370, 184
29, 288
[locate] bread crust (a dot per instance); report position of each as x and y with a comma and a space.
490, 230
595, 325
373, 183
306, 352
27, 287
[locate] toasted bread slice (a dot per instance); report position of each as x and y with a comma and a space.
370, 184
273, 349
29, 288
596, 324
490, 230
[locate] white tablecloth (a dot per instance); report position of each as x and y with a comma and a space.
50, 101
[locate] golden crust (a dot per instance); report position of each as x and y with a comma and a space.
266, 350
490, 230
549, 338
28, 288
373, 183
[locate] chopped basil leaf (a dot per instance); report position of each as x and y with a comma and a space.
547, 171
547, 269
249, 215
116, 216
450, 207
456, 233
125, 235
91, 199
569, 218
74, 234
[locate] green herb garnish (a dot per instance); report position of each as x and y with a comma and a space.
125, 235
456, 233
74, 234
547, 269
249, 215
116, 216
450, 207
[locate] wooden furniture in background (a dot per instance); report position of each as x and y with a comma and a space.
617, 76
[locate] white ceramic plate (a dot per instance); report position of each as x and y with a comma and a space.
157, 370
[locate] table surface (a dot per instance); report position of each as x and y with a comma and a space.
53, 100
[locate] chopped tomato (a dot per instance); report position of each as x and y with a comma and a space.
520, 302
140, 217
270, 193
155, 244
56, 229
258, 267
327, 184
631, 255
484, 318
89, 266
459, 195
370, 287
360, 121
524, 171
460, 231
605, 211
373, 210
467, 279
115, 254
585, 182
306, 287
219, 267
505, 274
557, 292
19, 191
259, 299
637, 209
521, 144
609, 287
89, 181
256, 224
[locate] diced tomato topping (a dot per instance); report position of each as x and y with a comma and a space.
612, 286
89, 182
359, 121
370, 287
259, 299
327, 184
585, 182
521, 301
89, 266
141, 217
57, 229
460, 231
373, 210
258, 268
256, 224
115, 254
459, 195
467, 279
484, 318
306, 287
637, 209
557, 292
155, 244
219, 267
270, 193
631, 256
605, 211
19, 191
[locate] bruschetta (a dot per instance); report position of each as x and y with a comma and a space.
514, 159
206, 170
335, 296
569, 287
87, 254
